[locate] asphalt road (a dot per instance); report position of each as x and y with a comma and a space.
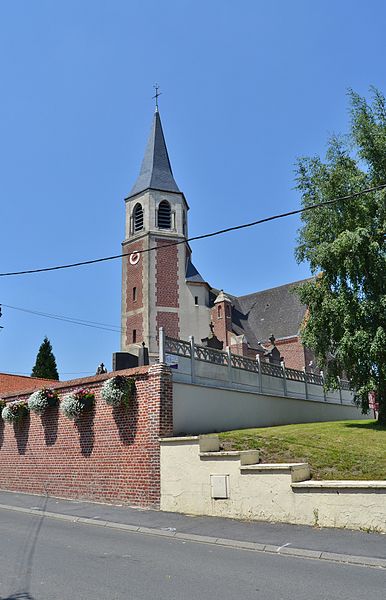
45, 559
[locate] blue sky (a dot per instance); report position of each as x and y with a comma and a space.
246, 88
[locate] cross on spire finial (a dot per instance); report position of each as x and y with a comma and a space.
157, 93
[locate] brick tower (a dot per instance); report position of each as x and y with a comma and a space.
160, 287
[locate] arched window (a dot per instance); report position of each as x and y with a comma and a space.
138, 217
184, 223
219, 312
164, 215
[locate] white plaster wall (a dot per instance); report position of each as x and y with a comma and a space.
204, 409
264, 492
194, 319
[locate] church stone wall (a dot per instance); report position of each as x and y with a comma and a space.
167, 274
132, 309
109, 454
169, 321
292, 350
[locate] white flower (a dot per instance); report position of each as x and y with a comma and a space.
14, 411
40, 400
117, 390
6, 414
73, 405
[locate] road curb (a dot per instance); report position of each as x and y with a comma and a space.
364, 561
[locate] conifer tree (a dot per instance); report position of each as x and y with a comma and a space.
45, 365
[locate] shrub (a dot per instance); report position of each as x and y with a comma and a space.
118, 390
2, 405
14, 412
40, 400
73, 405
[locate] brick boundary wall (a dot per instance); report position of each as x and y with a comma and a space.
109, 454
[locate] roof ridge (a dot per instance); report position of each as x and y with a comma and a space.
275, 287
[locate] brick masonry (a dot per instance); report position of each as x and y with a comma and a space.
133, 279
222, 321
134, 323
109, 454
167, 274
170, 322
293, 352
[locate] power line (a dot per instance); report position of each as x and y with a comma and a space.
200, 237
83, 322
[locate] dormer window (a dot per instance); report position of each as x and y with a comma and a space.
164, 220
138, 217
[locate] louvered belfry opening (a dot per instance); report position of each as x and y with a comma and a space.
164, 215
138, 217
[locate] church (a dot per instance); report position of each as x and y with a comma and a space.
161, 287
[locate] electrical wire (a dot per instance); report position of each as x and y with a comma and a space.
200, 237
83, 322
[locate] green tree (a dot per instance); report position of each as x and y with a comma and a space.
345, 246
45, 365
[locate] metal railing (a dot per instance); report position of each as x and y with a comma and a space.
246, 364
295, 375
196, 352
205, 354
177, 347
271, 369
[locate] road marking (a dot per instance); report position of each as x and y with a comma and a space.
284, 550
284, 546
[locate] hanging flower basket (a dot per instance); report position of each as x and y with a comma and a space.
2, 405
118, 390
75, 404
13, 412
40, 400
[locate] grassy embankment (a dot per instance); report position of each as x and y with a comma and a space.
334, 450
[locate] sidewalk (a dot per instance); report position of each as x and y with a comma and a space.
330, 544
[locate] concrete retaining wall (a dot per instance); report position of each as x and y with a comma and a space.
193, 471
204, 409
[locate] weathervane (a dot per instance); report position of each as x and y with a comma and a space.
157, 93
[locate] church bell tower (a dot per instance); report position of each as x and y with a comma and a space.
154, 268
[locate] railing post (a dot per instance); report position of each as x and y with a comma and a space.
229, 359
340, 391
259, 374
161, 342
324, 391
282, 363
192, 360
305, 382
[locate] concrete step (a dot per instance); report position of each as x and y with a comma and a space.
298, 471
246, 457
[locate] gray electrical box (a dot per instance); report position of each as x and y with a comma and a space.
219, 485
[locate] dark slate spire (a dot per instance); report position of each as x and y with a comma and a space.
156, 171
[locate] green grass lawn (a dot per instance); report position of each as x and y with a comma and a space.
334, 450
